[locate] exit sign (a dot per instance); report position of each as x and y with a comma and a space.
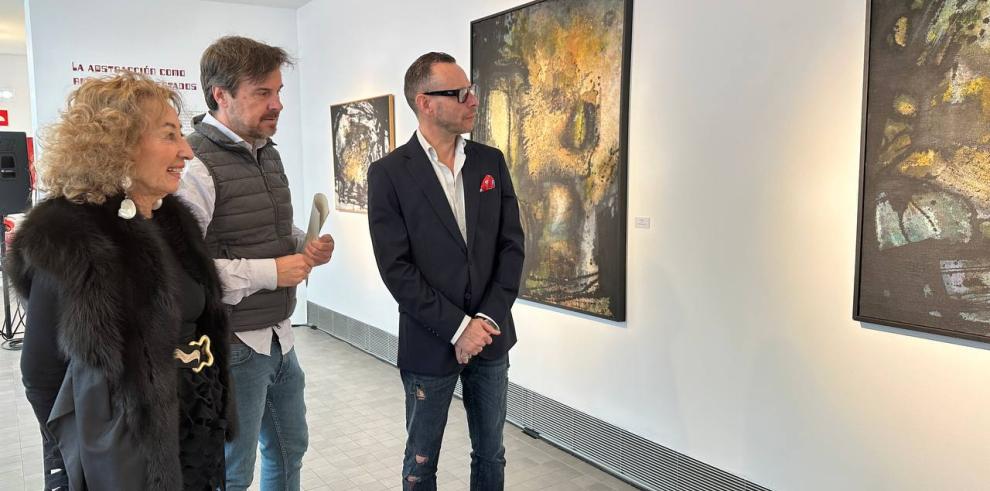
3, 118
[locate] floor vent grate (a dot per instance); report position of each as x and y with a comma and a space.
628, 456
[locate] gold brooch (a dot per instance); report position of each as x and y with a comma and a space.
203, 344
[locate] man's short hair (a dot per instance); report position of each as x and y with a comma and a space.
233, 59
418, 74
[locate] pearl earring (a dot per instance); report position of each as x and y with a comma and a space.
127, 209
157, 205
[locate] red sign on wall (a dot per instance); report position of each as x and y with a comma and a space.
3, 118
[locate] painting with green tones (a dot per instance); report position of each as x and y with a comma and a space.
552, 80
923, 251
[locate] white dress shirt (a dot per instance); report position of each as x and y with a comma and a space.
240, 277
452, 182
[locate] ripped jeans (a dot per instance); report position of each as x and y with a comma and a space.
485, 383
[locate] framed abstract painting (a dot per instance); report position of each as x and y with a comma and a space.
923, 252
362, 132
553, 79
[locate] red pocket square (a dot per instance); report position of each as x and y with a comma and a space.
488, 183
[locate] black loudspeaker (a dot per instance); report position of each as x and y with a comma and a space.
15, 176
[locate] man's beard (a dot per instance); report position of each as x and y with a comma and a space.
456, 127
254, 132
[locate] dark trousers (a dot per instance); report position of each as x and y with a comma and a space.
484, 383
54, 467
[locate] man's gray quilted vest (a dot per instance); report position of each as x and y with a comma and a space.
252, 218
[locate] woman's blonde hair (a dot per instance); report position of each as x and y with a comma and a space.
88, 153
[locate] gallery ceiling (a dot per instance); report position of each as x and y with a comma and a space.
12, 32
288, 4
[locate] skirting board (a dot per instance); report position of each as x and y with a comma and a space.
628, 456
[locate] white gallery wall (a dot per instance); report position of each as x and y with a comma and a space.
14, 77
13, 68
739, 348
64, 35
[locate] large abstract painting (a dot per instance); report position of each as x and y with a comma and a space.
552, 83
924, 239
362, 132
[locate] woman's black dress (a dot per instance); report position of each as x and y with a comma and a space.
202, 426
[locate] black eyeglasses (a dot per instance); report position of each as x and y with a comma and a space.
461, 94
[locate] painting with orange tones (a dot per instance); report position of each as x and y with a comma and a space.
923, 255
362, 132
552, 82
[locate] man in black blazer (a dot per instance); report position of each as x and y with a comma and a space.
449, 245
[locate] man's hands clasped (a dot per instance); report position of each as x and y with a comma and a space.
475, 337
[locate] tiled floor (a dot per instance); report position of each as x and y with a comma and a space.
355, 417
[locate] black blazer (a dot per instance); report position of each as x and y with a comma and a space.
434, 276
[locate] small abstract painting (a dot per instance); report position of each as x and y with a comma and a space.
362, 132
923, 259
552, 82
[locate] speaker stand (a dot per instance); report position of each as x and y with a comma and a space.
13, 322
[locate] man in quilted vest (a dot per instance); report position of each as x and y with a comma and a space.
238, 190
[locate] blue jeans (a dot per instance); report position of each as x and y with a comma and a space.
485, 383
268, 394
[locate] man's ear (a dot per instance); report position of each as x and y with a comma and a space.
423, 104
221, 96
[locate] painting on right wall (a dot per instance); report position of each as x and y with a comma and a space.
923, 258
552, 82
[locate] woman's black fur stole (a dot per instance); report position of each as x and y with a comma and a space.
118, 289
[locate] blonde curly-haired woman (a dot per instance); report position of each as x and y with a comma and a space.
125, 350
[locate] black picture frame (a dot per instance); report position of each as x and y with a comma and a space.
601, 292
881, 278
351, 194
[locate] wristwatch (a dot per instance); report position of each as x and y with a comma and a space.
488, 321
